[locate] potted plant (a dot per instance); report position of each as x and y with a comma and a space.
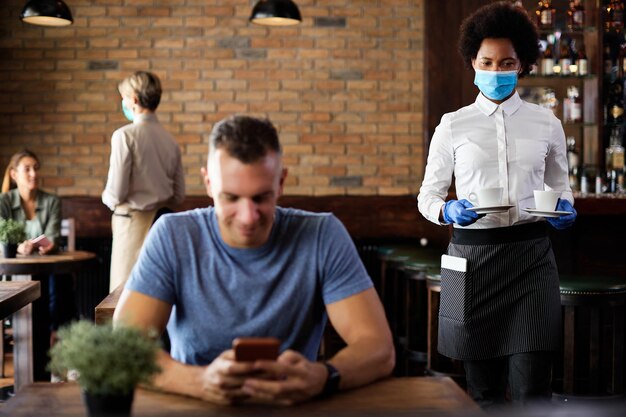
11, 235
107, 362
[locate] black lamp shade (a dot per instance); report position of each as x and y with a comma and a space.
47, 13
275, 13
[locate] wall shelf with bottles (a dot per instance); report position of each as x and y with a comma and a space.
567, 77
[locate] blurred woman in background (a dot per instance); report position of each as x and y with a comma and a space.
23, 201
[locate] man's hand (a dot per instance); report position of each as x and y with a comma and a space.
223, 379
294, 379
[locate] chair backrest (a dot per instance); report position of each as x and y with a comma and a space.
68, 230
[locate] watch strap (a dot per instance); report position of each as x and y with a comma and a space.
332, 381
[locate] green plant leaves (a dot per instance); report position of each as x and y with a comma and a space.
108, 360
11, 231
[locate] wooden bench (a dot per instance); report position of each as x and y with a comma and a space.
106, 308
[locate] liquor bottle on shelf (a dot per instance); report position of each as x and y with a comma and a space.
572, 106
565, 59
614, 17
610, 69
615, 162
582, 63
621, 66
573, 162
599, 188
547, 61
576, 15
548, 100
615, 103
584, 180
544, 14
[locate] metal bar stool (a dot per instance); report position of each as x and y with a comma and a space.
592, 361
439, 365
392, 289
414, 318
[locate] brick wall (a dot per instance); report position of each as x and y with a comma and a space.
345, 88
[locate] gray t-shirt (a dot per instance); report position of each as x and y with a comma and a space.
219, 293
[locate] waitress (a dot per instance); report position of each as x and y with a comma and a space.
500, 308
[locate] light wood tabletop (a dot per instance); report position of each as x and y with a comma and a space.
16, 294
390, 397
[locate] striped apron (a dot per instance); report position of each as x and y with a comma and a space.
508, 299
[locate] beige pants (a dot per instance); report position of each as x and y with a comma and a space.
130, 228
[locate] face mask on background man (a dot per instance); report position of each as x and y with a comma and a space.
127, 112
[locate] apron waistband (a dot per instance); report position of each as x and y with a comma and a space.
497, 235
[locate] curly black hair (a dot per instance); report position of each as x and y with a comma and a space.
500, 20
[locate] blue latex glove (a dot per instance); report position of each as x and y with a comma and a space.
454, 212
565, 221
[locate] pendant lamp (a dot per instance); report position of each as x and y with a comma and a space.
47, 13
275, 13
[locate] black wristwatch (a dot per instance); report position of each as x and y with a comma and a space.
332, 381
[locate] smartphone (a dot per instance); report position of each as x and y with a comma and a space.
250, 349
40, 240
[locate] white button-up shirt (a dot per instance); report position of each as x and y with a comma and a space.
515, 145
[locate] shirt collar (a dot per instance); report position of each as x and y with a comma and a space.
16, 203
16, 200
145, 117
488, 107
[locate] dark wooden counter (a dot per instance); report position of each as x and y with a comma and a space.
590, 247
365, 217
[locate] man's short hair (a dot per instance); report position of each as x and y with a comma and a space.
245, 138
146, 86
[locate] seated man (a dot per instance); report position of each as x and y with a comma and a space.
245, 267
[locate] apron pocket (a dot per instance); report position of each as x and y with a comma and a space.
456, 287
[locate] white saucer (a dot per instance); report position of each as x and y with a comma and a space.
546, 213
490, 209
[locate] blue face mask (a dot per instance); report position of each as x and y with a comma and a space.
128, 113
496, 85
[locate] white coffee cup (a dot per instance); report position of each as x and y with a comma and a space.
546, 200
487, 197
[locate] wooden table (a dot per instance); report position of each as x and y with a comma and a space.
15, 298
33, 267
390, 397
15, 295
60, 263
